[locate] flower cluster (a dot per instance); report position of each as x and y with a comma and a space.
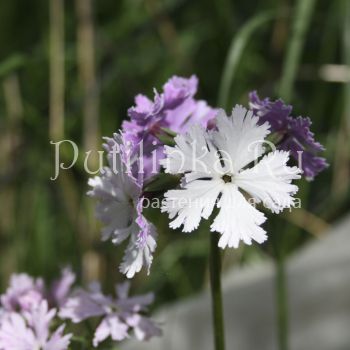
220, 159
120, 207
28, 310
294, 134
133, 156
118, 315
175, 108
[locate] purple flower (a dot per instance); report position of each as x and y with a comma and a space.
295, 134
31, 330
26, 293
119, 315
119, 207
175, 108
23, 293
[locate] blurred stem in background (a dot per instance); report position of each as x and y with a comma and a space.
10, 141
281, 290
87, 74
86, 60
301, 21
216, 293
341, 176
56, 128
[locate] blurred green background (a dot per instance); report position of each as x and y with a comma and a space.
70, 70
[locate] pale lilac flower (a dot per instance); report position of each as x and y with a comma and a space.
295, 134
61, 288
23, 293
31, 330
119, 207
119, 315
175, 108
217, 173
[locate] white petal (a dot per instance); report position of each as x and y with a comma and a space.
239, 138
195, 201
237, 219
194, 152
136, 255
269, 181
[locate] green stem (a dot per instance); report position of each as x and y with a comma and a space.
216, 294
282, 301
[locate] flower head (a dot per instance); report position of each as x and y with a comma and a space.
31, 330
119, 193
119, 314
26, 293
175, 108
216, 172
23, 293
295, 134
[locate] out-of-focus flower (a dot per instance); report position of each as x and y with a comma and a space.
61, 287
294, 133
119, 193
23, 293
215, 164
119, 315
175, 108
31, 330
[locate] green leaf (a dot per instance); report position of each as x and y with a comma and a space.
236, 50
11, 63
302, 19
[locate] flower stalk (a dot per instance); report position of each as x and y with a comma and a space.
216, 294
282, 301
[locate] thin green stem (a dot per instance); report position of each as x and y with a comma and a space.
282, 301
216, 294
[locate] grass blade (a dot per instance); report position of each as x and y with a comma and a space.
302, 19
236, 50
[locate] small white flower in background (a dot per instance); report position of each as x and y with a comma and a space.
119, 208
216, 172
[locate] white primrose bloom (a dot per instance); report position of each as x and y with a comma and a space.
218, 172
119, 208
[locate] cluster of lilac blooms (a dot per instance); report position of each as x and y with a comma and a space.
224, 146
32, 314
294, 134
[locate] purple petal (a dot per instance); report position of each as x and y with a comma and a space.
82, 305
61, 288
110, 326
295, 133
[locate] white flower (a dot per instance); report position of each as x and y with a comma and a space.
216, 173
119, 208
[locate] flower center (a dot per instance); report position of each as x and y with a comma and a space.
227, 178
